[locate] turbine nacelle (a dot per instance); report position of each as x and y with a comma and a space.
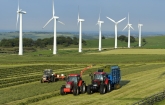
139, 25
81, 20
100, 21
55, 17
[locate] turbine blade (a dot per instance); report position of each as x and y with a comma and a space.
131, 27
17, 14
111, 20
53, 8
99, 15
48, 22
60, 22
125, 27
18, 5
78, 16
121, 20
17, 19
78, 13
128, 17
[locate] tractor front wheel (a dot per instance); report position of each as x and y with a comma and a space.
89, 90
75, 91
83, 88
62, 91
102, 89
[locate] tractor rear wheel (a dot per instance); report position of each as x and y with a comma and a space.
83, 88
102, 89
54, 80
76, 90
62, 90
109, 87
89, 90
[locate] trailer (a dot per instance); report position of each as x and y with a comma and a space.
104, 82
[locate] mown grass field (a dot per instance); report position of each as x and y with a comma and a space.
143, 74
142, 70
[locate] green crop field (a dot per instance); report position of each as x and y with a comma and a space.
142, 70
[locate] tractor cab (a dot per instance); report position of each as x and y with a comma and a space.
73, 78
99, 75
47, 73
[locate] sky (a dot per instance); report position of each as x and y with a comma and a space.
151, 13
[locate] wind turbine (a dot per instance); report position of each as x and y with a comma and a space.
139, 27
129, 27
80, 31
116, 28
99, 23
55, 18
19, 13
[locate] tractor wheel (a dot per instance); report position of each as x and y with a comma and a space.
83, 88
102, 89
75, 91
62, 90
89, 90
54, 80
109, 87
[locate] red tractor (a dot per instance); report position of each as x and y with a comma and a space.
74, 84
99, 83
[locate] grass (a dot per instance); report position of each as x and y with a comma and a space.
135, 86
142, 75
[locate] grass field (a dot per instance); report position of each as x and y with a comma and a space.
138, 81
143, 74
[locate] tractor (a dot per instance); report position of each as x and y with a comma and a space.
48, 76
74, 84
103, 82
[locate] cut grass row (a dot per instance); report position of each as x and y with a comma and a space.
26, 70
7, 82
37, 88
140, 85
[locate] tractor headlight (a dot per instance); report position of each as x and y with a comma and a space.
68, 86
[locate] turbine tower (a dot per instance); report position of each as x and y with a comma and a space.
80, 32
19, 14
116, 28
129, 27
139, 27
99, 23
55, 18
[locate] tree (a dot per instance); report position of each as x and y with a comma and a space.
75, 40
132, 39
122, 38
144, 40
103, 37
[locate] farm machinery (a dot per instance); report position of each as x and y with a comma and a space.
74, 84
48, 76
103, 82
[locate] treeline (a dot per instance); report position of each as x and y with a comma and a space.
132, 39
28, 42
